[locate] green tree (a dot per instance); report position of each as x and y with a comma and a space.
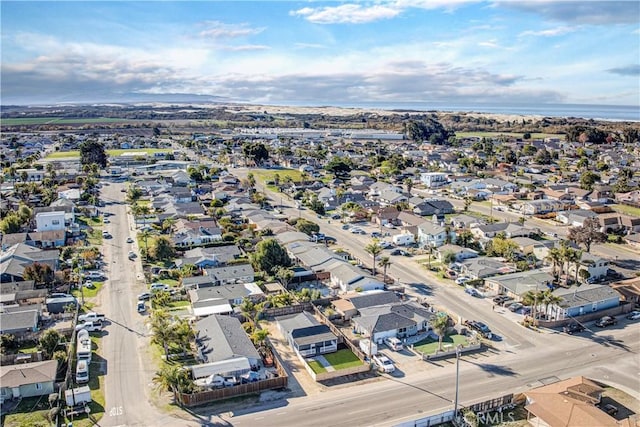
587, 179
49, 342
587, 234
439, 324
555, 256
269, 255
11, 223
174, 378
374, 249
305, 226
163, 249
93, 152
39, 273
430, 129
160, 322
340, 167
284, 275
255, 151
384, 263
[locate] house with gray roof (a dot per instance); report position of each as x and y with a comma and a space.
460, 253
214, 256
306, 335
221, 299
235, 273
392, 320
583, 300
20, 322
16, 258
28, 379
517, 284
509, 229
431, 235
481, 267
348, 277
222, 338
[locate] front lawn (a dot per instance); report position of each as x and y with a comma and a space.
268, 175
94, 237
316, 367
628, 210
343, 359
178, 305
88, 292
31, 412
429, 345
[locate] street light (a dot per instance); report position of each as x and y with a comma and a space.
455, 403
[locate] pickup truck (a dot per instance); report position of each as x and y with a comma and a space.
92, 317
90, 326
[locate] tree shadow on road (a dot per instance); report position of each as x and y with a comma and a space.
494, 370
610, 341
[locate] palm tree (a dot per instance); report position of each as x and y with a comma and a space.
173, 378
439, 324
145, 234
160, 322
555, 256
577, 262
248, 310
374, 249
167, 225
259, 336
548, 298
532, 298
384, 263
571, 256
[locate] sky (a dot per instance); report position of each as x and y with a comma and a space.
323, 53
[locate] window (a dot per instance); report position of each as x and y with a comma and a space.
38, 386
55, 222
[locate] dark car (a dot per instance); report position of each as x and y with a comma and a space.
501, 299
605, 321
479, 327
573, 328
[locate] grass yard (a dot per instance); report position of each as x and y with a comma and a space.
31, 412
178, 305
90, 221
88, 292
94, 237
58, 120
316, 367
170, 282
343, 359
269, 174
510, 134
429, 346
112, 153
628, 210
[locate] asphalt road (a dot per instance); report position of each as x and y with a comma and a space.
128, 388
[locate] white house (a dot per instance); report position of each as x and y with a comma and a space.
596, 266
32, 175
433, 179
431, 235
47, 221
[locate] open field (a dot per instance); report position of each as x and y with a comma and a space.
628, 210
430, 346
511, 134
112, 153
59, 120
264, 175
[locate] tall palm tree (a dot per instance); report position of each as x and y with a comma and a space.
532, 298
555, 256
384, 263
173, 378
439, 324
161, 327
577, 262
374, 249
548, 298
145, 234
168, 224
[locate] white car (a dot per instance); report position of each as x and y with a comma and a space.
462, 280
129, 240
94, 275
384, 364
634, 315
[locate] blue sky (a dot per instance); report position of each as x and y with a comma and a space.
457, 51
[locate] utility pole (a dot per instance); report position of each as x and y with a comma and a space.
455, 403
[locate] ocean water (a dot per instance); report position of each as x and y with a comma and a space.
585, 111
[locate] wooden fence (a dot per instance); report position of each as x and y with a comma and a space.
195, 399
324, 376
270, 313
12, 359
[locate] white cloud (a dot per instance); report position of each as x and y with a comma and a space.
218, 30
347, 14
246, 47
551, 32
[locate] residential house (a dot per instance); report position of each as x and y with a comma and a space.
583, 300
575, 218
306, 335
542, 206
466, 221
517, 284
27, 380
509, 229
392, 320
48, 221
14, 259
235, 273
214, 256
221, 338
221, 299
386, 215
192, 234
482, 267
348, 305
629, 289
568, 403
431, 207
36, 239
460, 253
434, 179
22, 293
596, 266
432, 235
351, 278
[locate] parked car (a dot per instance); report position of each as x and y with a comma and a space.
479, 327
634, 315
335, 216
573, 328
346, 226
399, 252
93, 275
376, 234
393, 343
605, 321
383, 363
515, 306
462, 279
159, 287
388, 225
106, 221
142, 307
473, 292
92, 317
610, 409
501, 299
90, 326
132, 255
386, 245
218, 381
145, 296
106, 235
129, 240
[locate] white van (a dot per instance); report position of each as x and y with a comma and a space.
393, 343
82, 372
